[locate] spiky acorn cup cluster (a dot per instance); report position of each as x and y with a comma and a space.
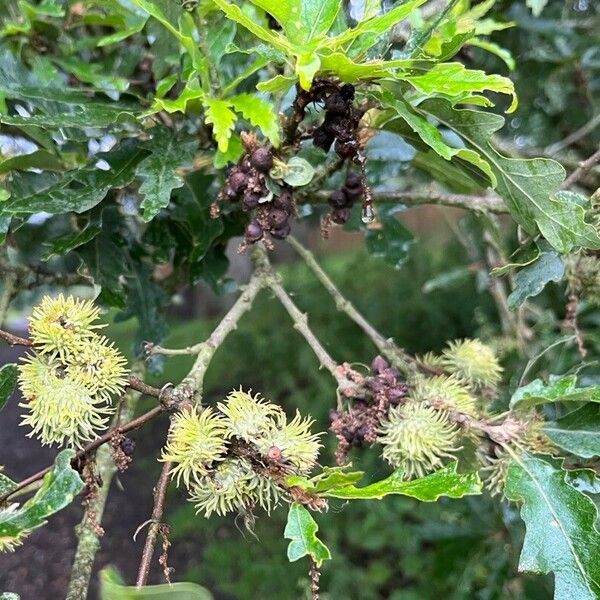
235, 459
69, 381
424, 432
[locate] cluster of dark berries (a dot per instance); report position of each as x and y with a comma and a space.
246, 183
342, 200
359, 424
272, 218
340, 123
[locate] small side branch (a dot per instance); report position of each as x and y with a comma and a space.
13, 340
206, 350
489, 203
94, 445
160, 493
301, 324
581, 170
400, 359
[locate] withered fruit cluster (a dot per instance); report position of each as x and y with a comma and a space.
341, 120
236, 458
359, 424
247, 184
342, 200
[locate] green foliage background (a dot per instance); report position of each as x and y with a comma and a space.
394, 549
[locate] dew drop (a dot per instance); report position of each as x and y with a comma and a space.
368, 214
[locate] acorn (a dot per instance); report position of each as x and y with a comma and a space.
284, 201
276, 217
237, 181
262, 159
250, 200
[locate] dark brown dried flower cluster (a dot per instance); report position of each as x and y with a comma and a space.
247, 184
359, 424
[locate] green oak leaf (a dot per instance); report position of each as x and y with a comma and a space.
159, 171
307, 66
59, 487
453, 79
578, 432
561, 535
8, 381
330, 478
444, 482
276, 40
222, 118
260, 113
532, 278
67, 242
376, 25
558, 389
113, 588
6, 483
190, 93
302, 529
529, 187
392, 241
80, 190
428, 133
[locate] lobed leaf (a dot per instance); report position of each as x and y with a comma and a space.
113, 588
559, 389
578, 432
561, 535
444, 482
59, 487
530, 187
80, 190
8, 381
392, 241
159, 171
302, 529
453, 79
222, 118
532, 278
260, 113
